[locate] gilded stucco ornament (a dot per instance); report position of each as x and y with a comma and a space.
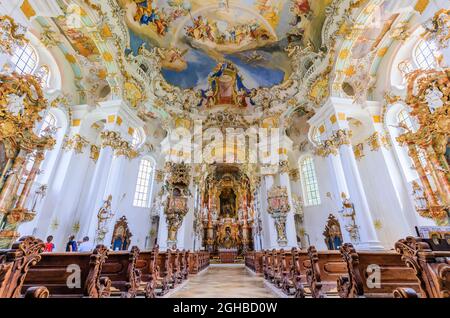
294, 175
120, 146
342, 137
95, 153
438, 28
431, 138
77, 143
326, 149
358, 150
21, 103
12, 35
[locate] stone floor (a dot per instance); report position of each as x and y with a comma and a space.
223, 281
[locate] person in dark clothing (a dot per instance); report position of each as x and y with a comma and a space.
72, 244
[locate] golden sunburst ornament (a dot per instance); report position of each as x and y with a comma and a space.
377, 224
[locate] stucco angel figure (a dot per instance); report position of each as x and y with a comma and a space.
104, 214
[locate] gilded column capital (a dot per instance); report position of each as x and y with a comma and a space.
76, 143
326, 149
124, 148
110, 139
294, 174
342, 137
284, 166
377, 140
95, 153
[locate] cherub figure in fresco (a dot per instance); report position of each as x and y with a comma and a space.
300, 8
161, 22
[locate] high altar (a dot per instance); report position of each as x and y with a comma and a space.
228, 216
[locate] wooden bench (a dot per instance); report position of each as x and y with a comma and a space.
147, 264
177, 277
276, 268
120, 268
287, 275
267, 264
185, 264
15, 264
393, 274
326, 268
431, 263
58, 273
254, 261
194, 266
300, 265
198, 261
165, 277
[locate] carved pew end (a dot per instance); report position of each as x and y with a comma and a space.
405, 293
37, 292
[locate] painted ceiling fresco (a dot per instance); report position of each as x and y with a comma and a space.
199, 40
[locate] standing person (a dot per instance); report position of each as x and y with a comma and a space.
71, 244
85, 246
49, 246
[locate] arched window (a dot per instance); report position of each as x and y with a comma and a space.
43, 73
309, 182
425, 55
142, 194
25, 59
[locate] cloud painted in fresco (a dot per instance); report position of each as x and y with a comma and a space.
200, 65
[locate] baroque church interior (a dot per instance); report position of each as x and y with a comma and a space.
225, 148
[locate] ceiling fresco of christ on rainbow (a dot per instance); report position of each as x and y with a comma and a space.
198, 35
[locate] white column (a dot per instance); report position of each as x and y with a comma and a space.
369, 237
96, 194
269, 233
162, 231
335, 164
291, 233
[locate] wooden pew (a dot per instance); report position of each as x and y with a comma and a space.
204, 260
326, 268
198, 261
431, 263
14, 267
147, 264
120, 268
176, 268
194, 266
300, 265
276, 268
55, 270
165, 273
268, 260
254, 261
287, 274
185, 264
393, 274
